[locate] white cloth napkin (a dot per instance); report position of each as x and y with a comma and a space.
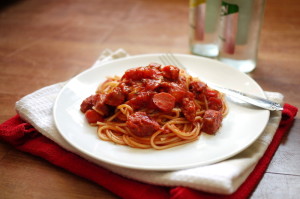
222, 178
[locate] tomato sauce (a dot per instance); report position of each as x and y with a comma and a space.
156, 88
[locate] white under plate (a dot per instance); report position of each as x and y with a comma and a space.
240, 128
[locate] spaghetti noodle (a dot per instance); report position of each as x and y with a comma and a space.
154, 107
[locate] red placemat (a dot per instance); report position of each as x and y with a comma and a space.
24, 137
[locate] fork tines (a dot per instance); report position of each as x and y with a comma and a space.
169, 58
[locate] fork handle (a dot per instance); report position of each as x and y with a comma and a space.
252, 99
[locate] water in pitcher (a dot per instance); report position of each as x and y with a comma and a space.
204, 24
239, 33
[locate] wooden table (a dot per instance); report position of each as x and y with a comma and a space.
44, 42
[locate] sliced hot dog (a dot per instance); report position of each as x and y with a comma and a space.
141, 125
164, 101
92, 116
212, 121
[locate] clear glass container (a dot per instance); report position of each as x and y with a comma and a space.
240, 25
204, 23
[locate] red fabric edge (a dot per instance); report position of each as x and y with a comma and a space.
25, 138
246, 189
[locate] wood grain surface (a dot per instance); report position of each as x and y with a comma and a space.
45, 42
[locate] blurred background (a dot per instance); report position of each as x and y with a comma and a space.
67, 36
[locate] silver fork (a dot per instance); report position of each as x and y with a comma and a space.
169, 58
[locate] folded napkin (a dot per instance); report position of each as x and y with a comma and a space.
33, 131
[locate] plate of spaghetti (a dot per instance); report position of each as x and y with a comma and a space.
138, 113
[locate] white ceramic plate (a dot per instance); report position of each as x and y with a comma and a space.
241, 127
